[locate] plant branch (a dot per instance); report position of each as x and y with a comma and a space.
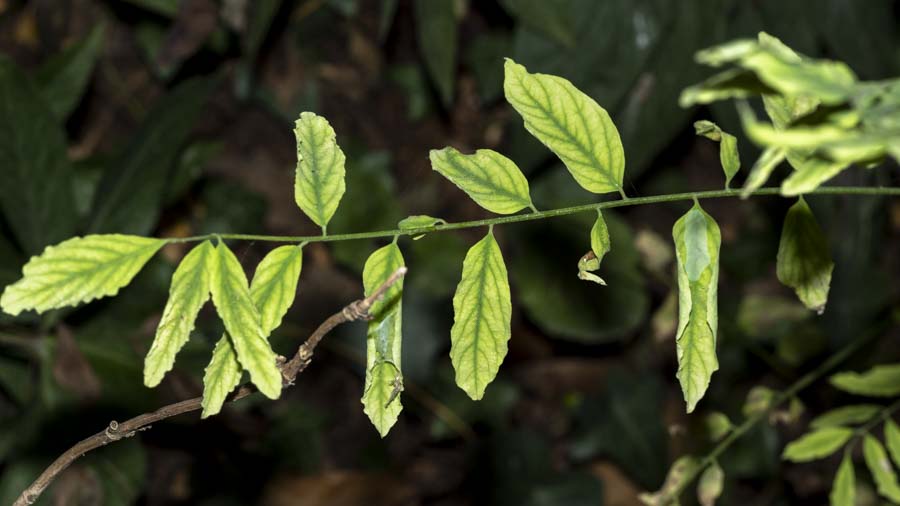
357, 310
540, 215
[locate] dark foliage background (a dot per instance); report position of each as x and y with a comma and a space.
174, 118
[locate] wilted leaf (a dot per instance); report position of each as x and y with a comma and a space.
879, 381
728, 151
187, 294
482, 313
817, 444
674, 481
492, 180
880, 466
697, 241
319, 183
804, 261
78, 270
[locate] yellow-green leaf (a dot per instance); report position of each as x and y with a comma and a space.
492, 180
187, 294
813, 172
231, 296
892, 439
697, 241
804, 262
272, 290
762, 169
319, 183
879, 381
711, 484
571, 124
843, 491
817, 444
78, 270
728, 151
846, 415
419, 221
882, 471
384, 380
600, 243
482, 314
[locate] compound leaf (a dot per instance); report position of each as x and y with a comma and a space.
78, 270
571, 124
222, 375
728, 151
804, 262
879, 381
319, 183
843, 491
492, 180
187, 294
817, 444
882, 471
697, 241
231, 296
482, 314
846, 415
384, 381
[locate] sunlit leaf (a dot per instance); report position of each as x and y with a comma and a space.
600, 243
481, 325
231, 296
804, 262
879, 381
843, 491
728, 151
882, 471
846, 416
814, 172
64, 77
892, 439
436, 32
492, 180
711, 484
817, 444
762, 169
319, 183
78, 270
571, 124
697, 240
221, 376
419, 221
384, 380
187, 294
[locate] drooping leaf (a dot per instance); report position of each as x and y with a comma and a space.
133, 188
436, 33
319, 184
762, 169
600, 243
272, 290
550, 17
728, 151
843, 491
492, 180
63, 79
892, 439
804, 261
231, 296
697, 242
78, 270
482, 315
188, 292
879, 381
36, 192
814, 172
817, 444
675, 480
882, 471
846, 416
571, 124
384, 380
711, 484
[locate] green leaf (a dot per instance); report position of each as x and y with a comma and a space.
319, 185
817, 444
600, 243
188, 292
489, 178
231, 296
815, 171
846, 416
547, 16
711, 484
63, 79
571, 124
880, 466
168, 8
272, 290
436, 33
36, 195
482, 315
718, 425
384, 381
892, 439
843, 491
879, 381
697, 242
419, 221
675, 481
728, 151
78, 270
762, 169
804, 261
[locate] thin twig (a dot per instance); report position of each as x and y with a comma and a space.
357, 310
